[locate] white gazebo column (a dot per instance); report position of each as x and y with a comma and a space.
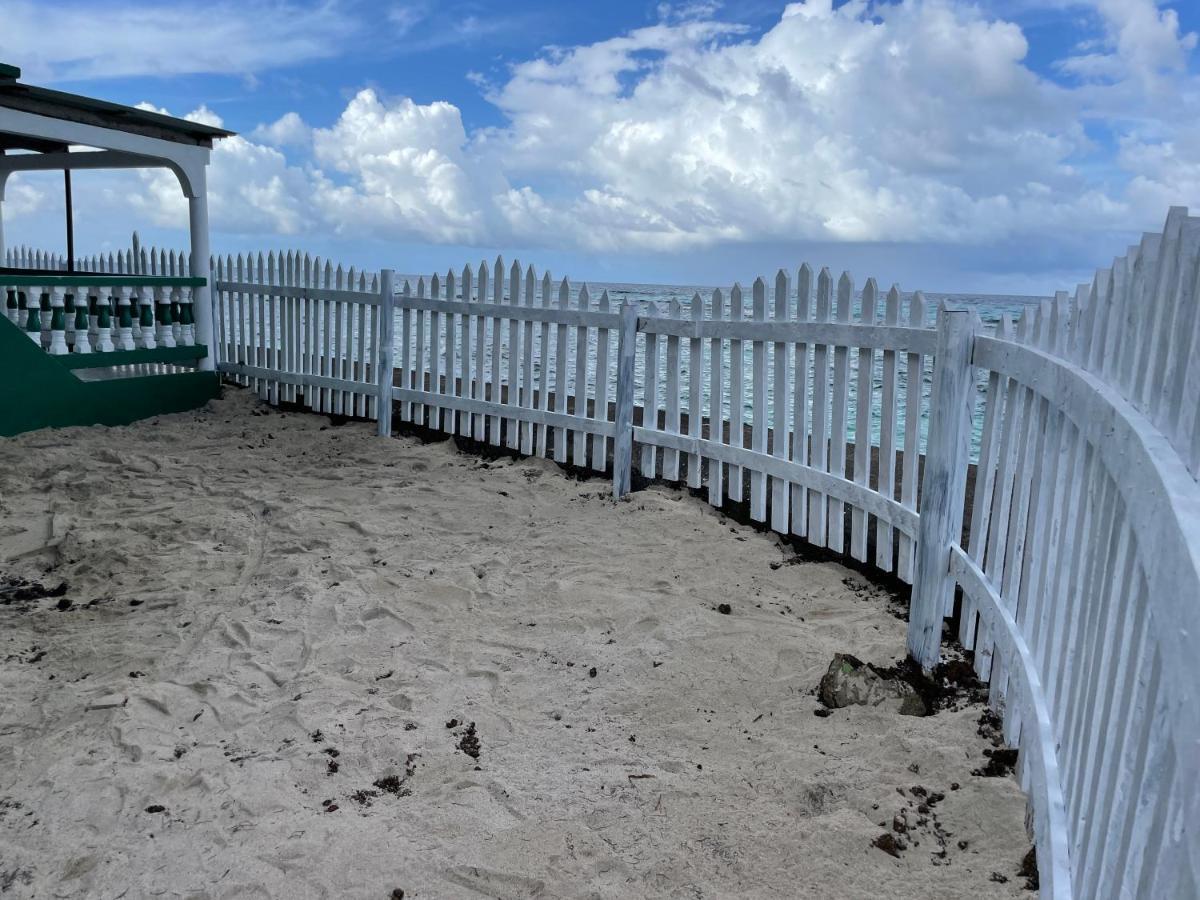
201, 296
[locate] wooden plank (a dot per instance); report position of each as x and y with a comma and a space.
384, 339
527, 399
512, 438
695, 394
419, 355
818, 507
623, 425
650, 404
716, 397
544, 364
781, 499
468, 379
435, 362
888, 414
839, 413
406, 360
670, 470
846, 490
912, 435
479, 391
737, 391
579, 444
599, 442
800, 421
560, 375
758, 401
946, 460
497, 386
864, 405
450, 413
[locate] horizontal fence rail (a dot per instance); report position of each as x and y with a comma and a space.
1036, 484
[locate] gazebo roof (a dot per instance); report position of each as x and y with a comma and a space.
89, 111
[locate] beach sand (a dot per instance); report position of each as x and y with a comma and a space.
271, 622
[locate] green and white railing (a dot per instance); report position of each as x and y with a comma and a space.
141, 324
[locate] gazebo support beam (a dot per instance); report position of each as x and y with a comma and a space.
201, 297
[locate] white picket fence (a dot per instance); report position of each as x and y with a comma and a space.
1073, 574
295, 329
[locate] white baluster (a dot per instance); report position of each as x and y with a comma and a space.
145, 318
104, 312
162, 302
187, 326
58, 334
125, 320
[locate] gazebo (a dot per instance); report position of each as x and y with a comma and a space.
131, 340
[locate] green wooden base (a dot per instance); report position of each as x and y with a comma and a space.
38, 391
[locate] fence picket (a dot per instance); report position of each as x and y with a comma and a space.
841, 395
512, 396
781, 500
817, 502
800, 422
600, 411
716, 397
864, 404
695, 392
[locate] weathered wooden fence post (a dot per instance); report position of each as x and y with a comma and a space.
947, 455
623, 440
384, 352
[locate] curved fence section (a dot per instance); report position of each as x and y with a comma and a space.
1080, 571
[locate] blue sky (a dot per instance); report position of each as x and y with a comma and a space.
986, 146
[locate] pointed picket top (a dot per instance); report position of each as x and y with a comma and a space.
604, 304
111, 262
1004, 327
405, 289
183, 265
783, 292
824, 294
219, 268
718, 305
466, 284
737, 306
290, 268
483, 281
271, 268
804, 288
845, 297
759, 292
162, 265
261, 274
241, 268
870, 296
374, 286
697, 307
564, 293
916, 310
421, 287
143, 262
514, 283
435, 286
530, 285
547, 287
498, 278
308, 270
584, 298
448, 286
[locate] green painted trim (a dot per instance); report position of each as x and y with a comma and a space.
94, 279
131, 357
39, 391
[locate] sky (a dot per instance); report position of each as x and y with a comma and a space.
994, 146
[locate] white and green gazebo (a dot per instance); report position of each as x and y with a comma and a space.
112, 341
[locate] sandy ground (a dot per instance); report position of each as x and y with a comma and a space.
268, 615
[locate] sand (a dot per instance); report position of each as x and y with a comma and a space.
268, 614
